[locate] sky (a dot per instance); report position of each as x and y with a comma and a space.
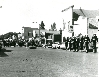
15, 14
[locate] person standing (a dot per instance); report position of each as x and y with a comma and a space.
81, 43
94, 40
87, 40
70, 43
78, 41
74, 44
66, 43
26, 41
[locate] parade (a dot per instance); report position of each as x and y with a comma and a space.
49, 38
81, 43
75, 44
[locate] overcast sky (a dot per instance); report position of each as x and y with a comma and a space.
15, 14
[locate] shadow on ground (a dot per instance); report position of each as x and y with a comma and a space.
2, 52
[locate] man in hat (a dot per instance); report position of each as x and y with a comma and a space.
94, 40
78, 41
81, 43
87, 40
74, 44
66, 43
70, 43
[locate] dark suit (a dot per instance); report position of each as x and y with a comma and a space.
78, 41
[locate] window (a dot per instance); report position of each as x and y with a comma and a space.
71, 27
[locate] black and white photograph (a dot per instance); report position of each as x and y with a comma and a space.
49, 38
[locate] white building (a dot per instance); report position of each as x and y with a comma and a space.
85, 22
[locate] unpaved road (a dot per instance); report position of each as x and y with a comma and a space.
40, 62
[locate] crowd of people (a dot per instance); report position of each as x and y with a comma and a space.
20, 42
81, 43
71, 43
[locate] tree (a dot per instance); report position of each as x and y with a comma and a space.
1, 37
9, 34
42, 26
53, 27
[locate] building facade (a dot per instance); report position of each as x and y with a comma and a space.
79, 21
28, 32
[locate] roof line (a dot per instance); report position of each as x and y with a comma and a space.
67, 8
82, 12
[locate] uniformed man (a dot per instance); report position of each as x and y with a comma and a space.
86, 40
66, 43
26, 42
78, 41
81, 43
0, 46
4, 42
74, 44
94, 40
14, 43
70, 44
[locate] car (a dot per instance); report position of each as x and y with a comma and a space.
48, 43
62, 45
32, 47
55, 45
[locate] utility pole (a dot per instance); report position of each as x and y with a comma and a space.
64, 24
36, 23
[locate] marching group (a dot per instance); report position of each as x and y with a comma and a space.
71, 43
20, 43
81, 43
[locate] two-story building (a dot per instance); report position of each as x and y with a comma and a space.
76, 21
